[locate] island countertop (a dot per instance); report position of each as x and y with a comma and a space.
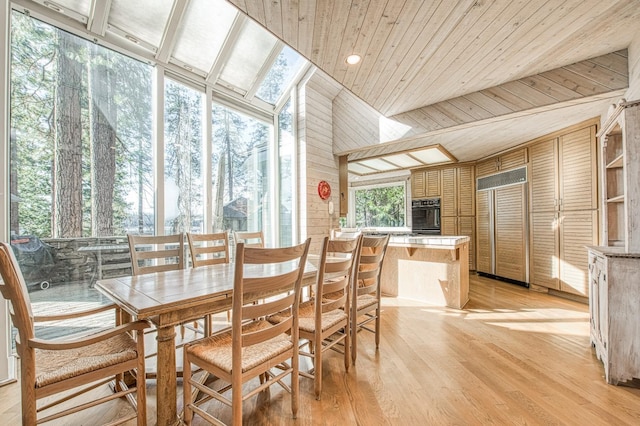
428, 241
428, 268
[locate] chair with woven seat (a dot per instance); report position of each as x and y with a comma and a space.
209, 249
365, 302
250, 239
324, 321
253, 348
48, 367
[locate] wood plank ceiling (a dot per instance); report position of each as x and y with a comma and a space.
443, 64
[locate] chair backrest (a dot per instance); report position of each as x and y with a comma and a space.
14, 289
370, 267
336, 274
272, 276
250, 239
208, 249
163, 252
339, 233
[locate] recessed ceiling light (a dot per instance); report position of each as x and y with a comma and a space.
353, 59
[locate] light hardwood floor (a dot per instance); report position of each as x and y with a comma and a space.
512, 356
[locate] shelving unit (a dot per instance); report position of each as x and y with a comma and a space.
620, 141
614, 270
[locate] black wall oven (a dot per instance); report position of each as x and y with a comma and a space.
425, 216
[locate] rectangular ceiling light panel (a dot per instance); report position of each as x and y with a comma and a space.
142, 19
403, 160
378, 164
249, 54
359, 169
431, 155
202, 32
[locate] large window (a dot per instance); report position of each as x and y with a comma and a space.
380, 206
241, 172
81, 136
183, 184
83, 166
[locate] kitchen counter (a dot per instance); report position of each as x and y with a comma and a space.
431, 269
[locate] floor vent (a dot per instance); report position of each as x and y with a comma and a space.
511, 177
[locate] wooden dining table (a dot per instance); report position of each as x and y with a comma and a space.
171, 298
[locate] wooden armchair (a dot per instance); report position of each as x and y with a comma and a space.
365, 302
48, 367
324, 321
253, 348
209, 249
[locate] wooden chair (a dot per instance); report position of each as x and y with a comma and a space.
48, 367
339, 233
157, 253
366, 290
251, 239
161, 257
253, 348
324, 321
209, 249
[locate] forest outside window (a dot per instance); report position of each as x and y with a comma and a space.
379, 206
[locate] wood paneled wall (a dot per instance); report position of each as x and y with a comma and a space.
316, 158
634, 69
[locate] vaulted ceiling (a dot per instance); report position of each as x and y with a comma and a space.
500, 71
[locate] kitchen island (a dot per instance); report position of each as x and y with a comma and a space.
431, 269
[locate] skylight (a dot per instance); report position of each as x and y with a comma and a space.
281, 74
205, 41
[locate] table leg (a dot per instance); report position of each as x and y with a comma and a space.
166, 379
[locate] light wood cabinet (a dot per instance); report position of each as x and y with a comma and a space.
614, 297
457, 208
425, 183
620, 140
458, 187
563, 210
502, 162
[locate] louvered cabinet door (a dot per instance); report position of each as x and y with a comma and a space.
449, 225
432, 183
578, 229
510, 250
543, 176
449, 199
487, 167
466, 227
466, 191
417, 185
578, 181
543, 249
513, 159
483, 232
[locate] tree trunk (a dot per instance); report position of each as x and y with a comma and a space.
103, 114
14, 213
67, 203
